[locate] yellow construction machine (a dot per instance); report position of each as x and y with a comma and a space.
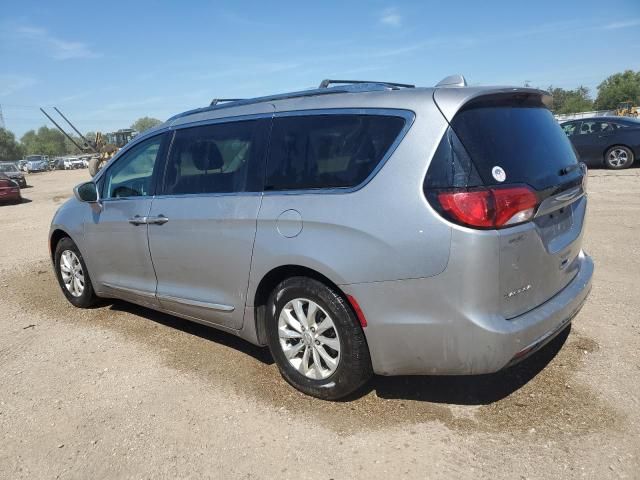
627, 109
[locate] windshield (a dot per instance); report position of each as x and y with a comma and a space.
8, 168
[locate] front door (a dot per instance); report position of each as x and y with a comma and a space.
117, 232
203, 222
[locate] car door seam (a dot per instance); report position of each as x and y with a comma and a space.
255, 233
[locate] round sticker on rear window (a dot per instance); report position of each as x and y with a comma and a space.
499, 174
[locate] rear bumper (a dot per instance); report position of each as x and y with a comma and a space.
416, 327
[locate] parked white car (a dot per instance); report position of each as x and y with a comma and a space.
77, 163
33, 166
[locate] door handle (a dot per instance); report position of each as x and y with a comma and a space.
138, 220
159, 220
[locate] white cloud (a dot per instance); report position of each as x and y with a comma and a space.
12, 83
55, 47
623, 24
390, 17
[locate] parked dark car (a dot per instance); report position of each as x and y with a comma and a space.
613, 142
10, 170
9, 190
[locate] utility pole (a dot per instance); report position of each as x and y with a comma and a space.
2, 125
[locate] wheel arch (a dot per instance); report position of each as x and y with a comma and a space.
56, 235
271, 279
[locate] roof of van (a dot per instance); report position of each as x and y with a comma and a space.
357, 94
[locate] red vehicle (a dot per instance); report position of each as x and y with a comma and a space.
9, 190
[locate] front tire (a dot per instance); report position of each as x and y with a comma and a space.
316, 340
618, 157
72, 274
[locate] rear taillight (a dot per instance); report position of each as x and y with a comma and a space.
495, 207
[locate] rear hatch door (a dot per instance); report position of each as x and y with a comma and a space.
513, 139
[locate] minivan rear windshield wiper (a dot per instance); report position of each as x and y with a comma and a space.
569, 169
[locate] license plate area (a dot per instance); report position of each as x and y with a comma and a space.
556, 229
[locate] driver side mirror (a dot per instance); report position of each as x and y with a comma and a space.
86, 192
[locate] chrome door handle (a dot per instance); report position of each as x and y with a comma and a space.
159, 220
138, 220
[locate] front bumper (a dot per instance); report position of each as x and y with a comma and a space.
414, 328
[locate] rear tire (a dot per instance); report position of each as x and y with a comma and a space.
332, 337
618, 157
72, 274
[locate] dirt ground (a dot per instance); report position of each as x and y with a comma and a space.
124, 392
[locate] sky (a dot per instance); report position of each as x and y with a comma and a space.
106, 64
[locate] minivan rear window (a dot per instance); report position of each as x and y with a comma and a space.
328, 151
522, 139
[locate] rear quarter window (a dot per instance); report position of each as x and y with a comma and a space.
328, 151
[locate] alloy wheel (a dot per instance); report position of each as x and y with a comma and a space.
309, 338
618, 157
72, 274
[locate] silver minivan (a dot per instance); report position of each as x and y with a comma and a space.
358, 228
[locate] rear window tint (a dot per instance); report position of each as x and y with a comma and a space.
328, 151
524, 141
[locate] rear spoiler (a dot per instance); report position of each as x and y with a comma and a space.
451, 100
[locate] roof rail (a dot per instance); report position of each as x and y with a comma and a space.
326, 82
250, 101
216, 101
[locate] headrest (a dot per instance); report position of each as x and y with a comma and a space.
206, 156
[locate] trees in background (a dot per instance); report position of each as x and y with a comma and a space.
52, 142
45, 141
145, 123
619, 87
570, 101
10, 149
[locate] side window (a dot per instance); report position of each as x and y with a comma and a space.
586, 128
214, 159
325, 151
569, 128
595, 127
605, 127
131, 174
